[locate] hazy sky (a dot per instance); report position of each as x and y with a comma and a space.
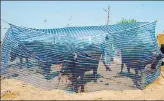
84, 13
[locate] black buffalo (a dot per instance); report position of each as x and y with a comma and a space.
76, 64
141, 60
45, 53
136, 55
162, 50
138, 58
21, 53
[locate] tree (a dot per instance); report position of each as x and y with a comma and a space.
126, 21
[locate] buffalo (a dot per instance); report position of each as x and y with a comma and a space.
148, 57
137, 53
76, 64
46, 54
162, 50
138, 58
19, 52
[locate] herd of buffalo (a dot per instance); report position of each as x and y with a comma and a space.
75, 62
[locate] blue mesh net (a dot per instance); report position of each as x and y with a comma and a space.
83, 47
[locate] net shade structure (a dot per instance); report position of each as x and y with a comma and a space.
73, 51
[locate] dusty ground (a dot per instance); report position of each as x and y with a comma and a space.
107, 81
16, 89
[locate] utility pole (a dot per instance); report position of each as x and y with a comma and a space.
108, 10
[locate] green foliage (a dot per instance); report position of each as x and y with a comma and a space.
126, 21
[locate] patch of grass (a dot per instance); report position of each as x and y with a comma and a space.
9, 95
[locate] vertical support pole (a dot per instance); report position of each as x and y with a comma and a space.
136, 79
108, 15
143, 79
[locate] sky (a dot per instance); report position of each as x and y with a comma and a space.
57, 14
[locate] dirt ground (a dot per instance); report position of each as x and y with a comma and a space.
119, 88
107, 80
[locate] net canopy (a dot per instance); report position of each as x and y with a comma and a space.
81, 49
48, 45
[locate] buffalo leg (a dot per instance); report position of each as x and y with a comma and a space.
106, 66
76, 88
27, 62
21, 62
128, 69
74, 82
95, 74
47, 69
122, 66
82, 88
82, 83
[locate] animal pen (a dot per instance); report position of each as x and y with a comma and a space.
90, 57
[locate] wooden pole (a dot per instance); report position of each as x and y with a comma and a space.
108, 15
108, 10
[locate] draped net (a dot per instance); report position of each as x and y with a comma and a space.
134, 41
